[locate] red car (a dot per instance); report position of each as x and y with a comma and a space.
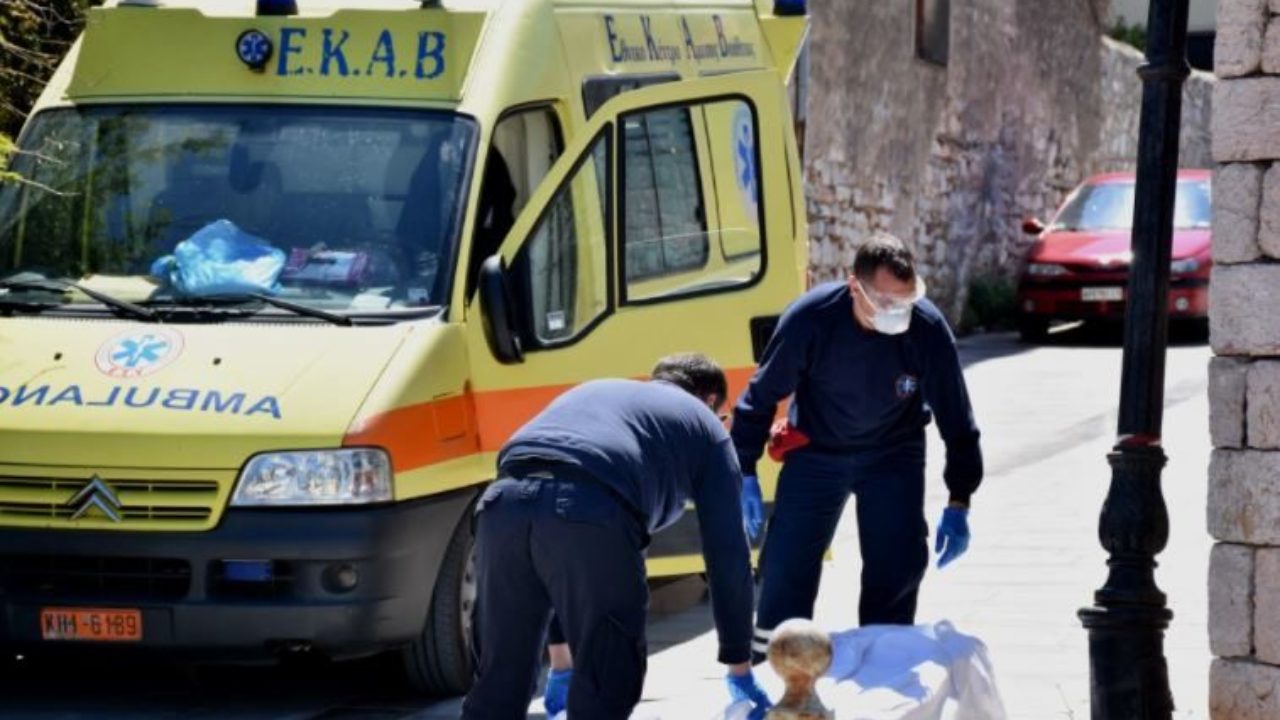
1079, 266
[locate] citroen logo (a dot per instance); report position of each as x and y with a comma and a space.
96, 494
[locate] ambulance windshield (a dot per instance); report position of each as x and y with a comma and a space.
335, 208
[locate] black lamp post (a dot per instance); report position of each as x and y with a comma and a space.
1129, 679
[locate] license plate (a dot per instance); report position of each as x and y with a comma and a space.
1101, 294
91, 624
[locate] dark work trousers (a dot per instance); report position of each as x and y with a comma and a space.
812, 489
572, 547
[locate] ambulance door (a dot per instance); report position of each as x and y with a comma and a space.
702, 202
649, 236
525, 143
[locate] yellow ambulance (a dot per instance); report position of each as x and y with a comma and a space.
282, 277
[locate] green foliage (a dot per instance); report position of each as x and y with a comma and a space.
1135, 35
34, 35
6, 151
992, 304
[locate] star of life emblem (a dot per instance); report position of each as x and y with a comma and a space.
138, 353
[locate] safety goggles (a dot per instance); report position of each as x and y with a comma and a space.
892, 302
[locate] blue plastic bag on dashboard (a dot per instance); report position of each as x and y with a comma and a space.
221, 259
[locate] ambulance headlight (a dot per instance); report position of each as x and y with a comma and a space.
316, 477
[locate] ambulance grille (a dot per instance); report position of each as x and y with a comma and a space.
171, 503
100, 578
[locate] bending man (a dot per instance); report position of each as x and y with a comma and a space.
581, 487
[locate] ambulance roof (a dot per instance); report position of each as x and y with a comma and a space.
241, 8
398, 53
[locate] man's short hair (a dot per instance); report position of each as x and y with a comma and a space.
883, 250
695, 373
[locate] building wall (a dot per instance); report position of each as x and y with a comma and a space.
1244, 476
953, 158
1122, 105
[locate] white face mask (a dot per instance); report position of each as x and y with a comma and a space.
892, 316
892, 322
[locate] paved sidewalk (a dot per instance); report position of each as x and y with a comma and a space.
1035, 558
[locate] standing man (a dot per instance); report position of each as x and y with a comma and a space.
868, 361
581, 487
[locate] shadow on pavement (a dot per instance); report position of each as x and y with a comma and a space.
678, 612
1111, 334
152, 686
981, 347
120, 686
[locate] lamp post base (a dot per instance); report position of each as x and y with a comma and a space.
1129, 678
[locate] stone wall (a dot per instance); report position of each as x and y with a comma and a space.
1121, 107
1244, 477
953, 158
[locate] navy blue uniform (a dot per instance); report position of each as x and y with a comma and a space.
581, 487
863, 398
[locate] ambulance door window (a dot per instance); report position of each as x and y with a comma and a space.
525, 146
664, 223
676, 240
561, 273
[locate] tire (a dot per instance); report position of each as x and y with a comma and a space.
439, 661
1033, 329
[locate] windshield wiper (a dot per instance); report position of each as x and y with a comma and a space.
52, 285
293, 307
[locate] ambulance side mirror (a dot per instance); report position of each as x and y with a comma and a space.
498, 311
1032, 226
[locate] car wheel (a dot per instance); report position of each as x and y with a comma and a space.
439, 661
1032, 329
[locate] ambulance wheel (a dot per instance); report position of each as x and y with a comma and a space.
439, 661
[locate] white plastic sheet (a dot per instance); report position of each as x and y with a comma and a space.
897, 672
902, 672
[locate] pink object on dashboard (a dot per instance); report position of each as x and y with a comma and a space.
326, 267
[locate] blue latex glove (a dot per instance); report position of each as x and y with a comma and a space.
556, 697
745, 687
752, 506
953, 535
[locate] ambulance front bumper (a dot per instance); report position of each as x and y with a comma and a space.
344, 582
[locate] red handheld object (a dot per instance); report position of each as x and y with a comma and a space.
783, 438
